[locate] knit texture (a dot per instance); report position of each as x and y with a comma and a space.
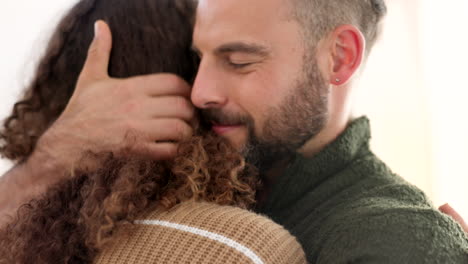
346, 206
197, 232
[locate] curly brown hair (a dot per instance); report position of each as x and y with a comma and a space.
76, 218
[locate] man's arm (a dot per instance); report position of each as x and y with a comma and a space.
398, 235
26, 181
140, 116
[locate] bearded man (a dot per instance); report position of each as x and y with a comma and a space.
276, 78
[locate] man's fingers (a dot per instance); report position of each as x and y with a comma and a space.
169, 107
448, 210
151, 150
161, 84
160, 151
97, 62
167, 130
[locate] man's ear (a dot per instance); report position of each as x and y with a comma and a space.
347, 52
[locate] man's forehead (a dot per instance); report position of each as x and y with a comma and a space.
241, 19
219, 10
217, 5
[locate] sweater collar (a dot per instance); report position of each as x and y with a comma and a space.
304, 175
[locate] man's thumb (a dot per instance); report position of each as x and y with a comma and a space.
97, 62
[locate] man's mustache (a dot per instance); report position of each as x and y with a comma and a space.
219, 117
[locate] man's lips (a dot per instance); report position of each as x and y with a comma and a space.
222, 129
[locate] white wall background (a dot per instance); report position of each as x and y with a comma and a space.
414, 88
25, 27
414, 92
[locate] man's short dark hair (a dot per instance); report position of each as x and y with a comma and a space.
320, 17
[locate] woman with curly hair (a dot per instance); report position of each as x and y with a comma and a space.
89, 216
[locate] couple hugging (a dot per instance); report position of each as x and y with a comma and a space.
174, 131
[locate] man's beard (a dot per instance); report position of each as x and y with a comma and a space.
288, 126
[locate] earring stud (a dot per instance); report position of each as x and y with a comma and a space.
338, 80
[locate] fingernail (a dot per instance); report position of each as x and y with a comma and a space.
96, 29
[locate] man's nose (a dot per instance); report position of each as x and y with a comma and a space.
208, 90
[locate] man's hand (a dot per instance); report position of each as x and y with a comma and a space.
448, 210
140, 116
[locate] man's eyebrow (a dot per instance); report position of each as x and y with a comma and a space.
242, 47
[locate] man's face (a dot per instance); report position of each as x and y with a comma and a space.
258, 83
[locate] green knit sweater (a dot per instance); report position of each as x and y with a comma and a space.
345, 206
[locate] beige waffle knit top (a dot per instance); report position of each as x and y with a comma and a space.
195, 232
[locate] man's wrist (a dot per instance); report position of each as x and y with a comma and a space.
42, 169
